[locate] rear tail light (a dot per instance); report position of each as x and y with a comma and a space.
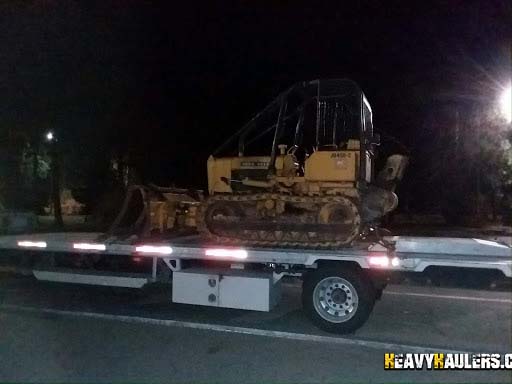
379, 261
383, 261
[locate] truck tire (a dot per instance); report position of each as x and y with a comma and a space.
337, 300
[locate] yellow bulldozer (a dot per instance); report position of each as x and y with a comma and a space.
298, 174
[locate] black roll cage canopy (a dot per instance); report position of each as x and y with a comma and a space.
321, 92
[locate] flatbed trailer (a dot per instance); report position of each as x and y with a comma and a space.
339, 288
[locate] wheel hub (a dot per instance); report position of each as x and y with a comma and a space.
335, 299
338, 296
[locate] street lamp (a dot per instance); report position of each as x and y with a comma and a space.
49, 136
506, 104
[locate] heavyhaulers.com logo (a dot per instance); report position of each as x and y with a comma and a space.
447, 361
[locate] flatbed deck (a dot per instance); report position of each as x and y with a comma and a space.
413, 254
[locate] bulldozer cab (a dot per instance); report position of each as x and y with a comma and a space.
307, 125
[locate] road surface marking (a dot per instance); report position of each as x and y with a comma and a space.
236, 330
449, 297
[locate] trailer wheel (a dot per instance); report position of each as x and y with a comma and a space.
337, 300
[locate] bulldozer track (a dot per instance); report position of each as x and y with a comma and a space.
266, 233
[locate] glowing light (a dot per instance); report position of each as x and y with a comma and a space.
32, 244
506, 104
158, 249
232, 253
50, 136
90, 246
383, 261
379, 261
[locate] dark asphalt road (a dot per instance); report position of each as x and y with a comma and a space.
48, 347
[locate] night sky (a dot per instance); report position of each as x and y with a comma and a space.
166, 82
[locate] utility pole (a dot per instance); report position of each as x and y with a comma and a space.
55, 178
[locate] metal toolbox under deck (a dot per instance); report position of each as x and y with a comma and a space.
258, 291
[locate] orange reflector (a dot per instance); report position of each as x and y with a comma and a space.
232, 253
